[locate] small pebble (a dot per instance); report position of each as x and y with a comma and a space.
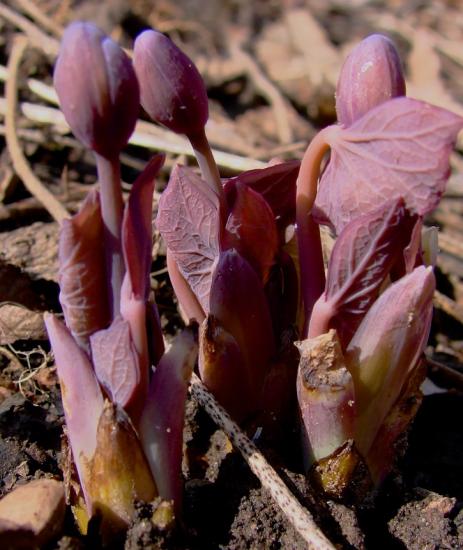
32, 515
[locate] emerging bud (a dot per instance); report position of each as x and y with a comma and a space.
325, 392
172, 90
97, 89
371, 74
386, 347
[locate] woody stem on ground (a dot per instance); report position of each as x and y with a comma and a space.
112, 207
208, 167
308, 233
297, 515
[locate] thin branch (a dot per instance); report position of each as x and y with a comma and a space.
35, 13
36, 36
20, 164
297, 515
448, 306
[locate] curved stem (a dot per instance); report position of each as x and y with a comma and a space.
208, 167
308, 233
112, 207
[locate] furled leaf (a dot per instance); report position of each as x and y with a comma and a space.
189, 305
97, 88
364, 253
399, 148
251, 228
277, 184
137, 232
161, 425
188, 219
82, 272
172, 90
223, 369
371, 74
325, 393
118, 473
385, 348
238, 302
116, 361
81, 395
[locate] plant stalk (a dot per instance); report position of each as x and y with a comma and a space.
208, 167
308, 233
112, 207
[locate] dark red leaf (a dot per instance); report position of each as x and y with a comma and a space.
400, 148
251, 228
188, 219
239, 304
277, 184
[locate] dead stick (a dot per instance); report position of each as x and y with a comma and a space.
20, 164
297, 515
448, 305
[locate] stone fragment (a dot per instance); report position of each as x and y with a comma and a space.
32, 515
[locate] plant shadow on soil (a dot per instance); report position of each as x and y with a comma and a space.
224, 506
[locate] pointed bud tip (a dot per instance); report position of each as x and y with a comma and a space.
371, 74
97, 88
172, 90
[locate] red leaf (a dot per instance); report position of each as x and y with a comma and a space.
399, 148
277, 184
239, 304
364, 253
188, 219
116, 361
251, 228
137, 233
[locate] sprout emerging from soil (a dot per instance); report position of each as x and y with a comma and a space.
363, 325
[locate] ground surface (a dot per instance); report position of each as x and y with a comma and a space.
271, 70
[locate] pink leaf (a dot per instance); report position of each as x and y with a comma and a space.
364, 252
161, 425
188, 219
82, 275
251, 228
386, 346
116, 361
137, 233
81, 395
399, 148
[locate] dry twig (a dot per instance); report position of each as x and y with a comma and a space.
449, 306
35, 13
298, 516
39, 39
33, 184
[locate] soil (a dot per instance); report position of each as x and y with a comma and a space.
420, 505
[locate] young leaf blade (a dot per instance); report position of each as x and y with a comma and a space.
399, 148
82, 276
137, 233
188, 219
277, 184
115, 361
385, 348
364, 252
251, 228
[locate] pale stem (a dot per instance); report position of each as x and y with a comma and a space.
308, 233
208, 167
112, 207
